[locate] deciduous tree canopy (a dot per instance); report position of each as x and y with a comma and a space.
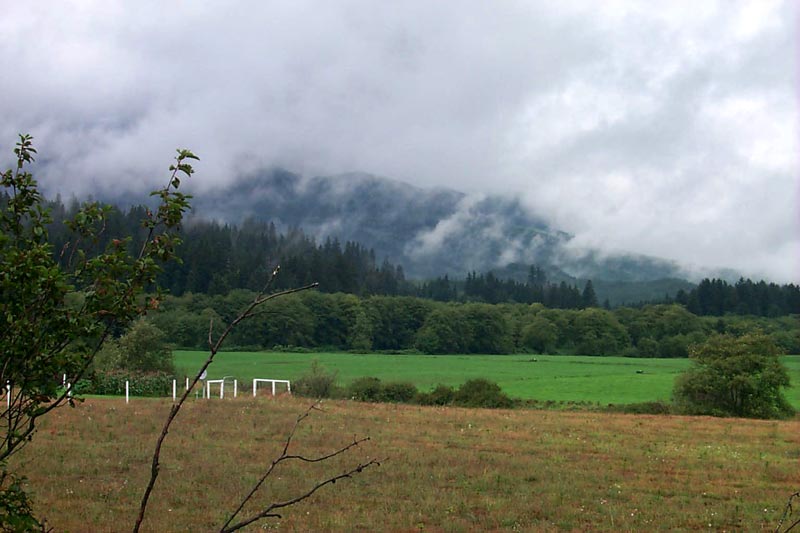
735, 377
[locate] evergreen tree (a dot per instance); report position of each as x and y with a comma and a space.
588, 298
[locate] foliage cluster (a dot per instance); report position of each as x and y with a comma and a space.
320, 321
112, 383
58, 304
142, 349
735, 377
15, 504
319, 383
717, 297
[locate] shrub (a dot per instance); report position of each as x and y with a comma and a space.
643, 408
371, 389
440, 395
366, 389
142, 349
317, 383
735, 377
140, 384
482, 393
397, 392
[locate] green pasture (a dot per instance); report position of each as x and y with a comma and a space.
605, 380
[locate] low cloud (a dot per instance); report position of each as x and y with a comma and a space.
669, 132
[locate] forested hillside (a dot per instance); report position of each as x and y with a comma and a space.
368, 304
431, 232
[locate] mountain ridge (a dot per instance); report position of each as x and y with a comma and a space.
431, 232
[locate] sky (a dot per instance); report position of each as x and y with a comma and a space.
663, 128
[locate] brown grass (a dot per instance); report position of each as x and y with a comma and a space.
445, 469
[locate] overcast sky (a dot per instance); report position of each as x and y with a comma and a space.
664, 128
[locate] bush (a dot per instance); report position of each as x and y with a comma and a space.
371, 389
440, 395
366, 389
142, 349
317, 383
113, 384
734, 377
473, 393
482, 393
643, 408
397, 392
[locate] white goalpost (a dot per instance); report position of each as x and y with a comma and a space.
273, 382
221, 383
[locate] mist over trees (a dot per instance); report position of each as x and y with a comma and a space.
368, 304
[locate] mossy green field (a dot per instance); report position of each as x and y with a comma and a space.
559, 378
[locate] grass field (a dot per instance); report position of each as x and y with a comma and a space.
443, 469
603, 380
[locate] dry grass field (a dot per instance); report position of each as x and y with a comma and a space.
443, 469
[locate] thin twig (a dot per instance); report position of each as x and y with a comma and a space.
787, 512
268, 512
213, 349
286, 457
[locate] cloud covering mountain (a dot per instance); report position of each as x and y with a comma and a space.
666, 130
430, 232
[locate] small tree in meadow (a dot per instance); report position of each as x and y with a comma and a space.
142, 349
735, 376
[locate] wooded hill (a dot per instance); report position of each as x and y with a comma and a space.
218, 258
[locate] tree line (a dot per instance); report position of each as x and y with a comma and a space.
218, 258
321, 321
745, 297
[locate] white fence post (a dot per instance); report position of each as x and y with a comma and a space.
127, 391
174, 389
235, 387
254, 388
187, 382
8, 394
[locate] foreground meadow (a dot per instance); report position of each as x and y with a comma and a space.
443, 469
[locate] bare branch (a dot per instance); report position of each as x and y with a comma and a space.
787, 512
286, 457
268, 512
214, 347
